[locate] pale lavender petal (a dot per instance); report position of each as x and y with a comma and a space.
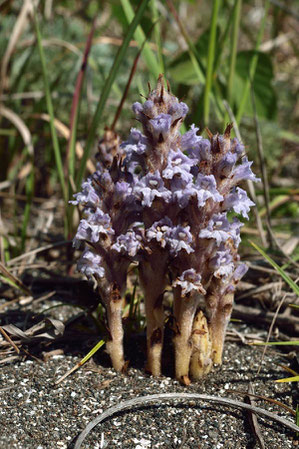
222, 263
180, 238
91, 264
161, 125
128, 244
88, 196
243, 172
206, 188
189, 281
160, 231
239, 202
149, 187
227, 163
240, 271
220, 229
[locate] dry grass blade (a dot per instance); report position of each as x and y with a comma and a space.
31, 334
11, 262
14, 280
264, 398
253, 419
144, 400
17, 30
270, 330
20, 125
65, 132
9, 340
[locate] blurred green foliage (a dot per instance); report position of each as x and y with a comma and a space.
64, 28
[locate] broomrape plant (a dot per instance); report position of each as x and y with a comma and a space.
161, 200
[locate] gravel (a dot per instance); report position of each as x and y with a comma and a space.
37, 414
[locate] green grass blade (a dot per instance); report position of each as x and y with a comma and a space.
233, 55
147, 54
287, 279
92, 352
253, 64
223, 38
107, 87
157, 34
289, 379
210, 63
82, 361
278, 343
55, 142
233, 50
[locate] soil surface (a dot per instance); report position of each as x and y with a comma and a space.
37, 414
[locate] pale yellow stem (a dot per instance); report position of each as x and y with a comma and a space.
201, 362
115, 345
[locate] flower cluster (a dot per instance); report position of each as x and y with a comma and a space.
168, 202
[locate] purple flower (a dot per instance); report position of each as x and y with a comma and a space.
205, 189
179, 239
243, 172
137, 108
149, 187
93, 229
149, 108
160, 231
189, 281
237, 147
220, 229
178, 110
178, 165
227, 163
182, 191
161, 126
195, 146
238, 201
122, 191
90, 263
128, 244
222, 263
88, 196
240, 271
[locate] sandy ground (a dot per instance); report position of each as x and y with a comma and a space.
36, 414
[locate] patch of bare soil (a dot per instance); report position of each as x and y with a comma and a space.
37, 413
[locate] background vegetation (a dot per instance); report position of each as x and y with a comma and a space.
228, 60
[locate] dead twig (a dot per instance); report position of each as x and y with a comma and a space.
253, 419
260, 317
270, 331
7, 275
180, 396
7, 338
